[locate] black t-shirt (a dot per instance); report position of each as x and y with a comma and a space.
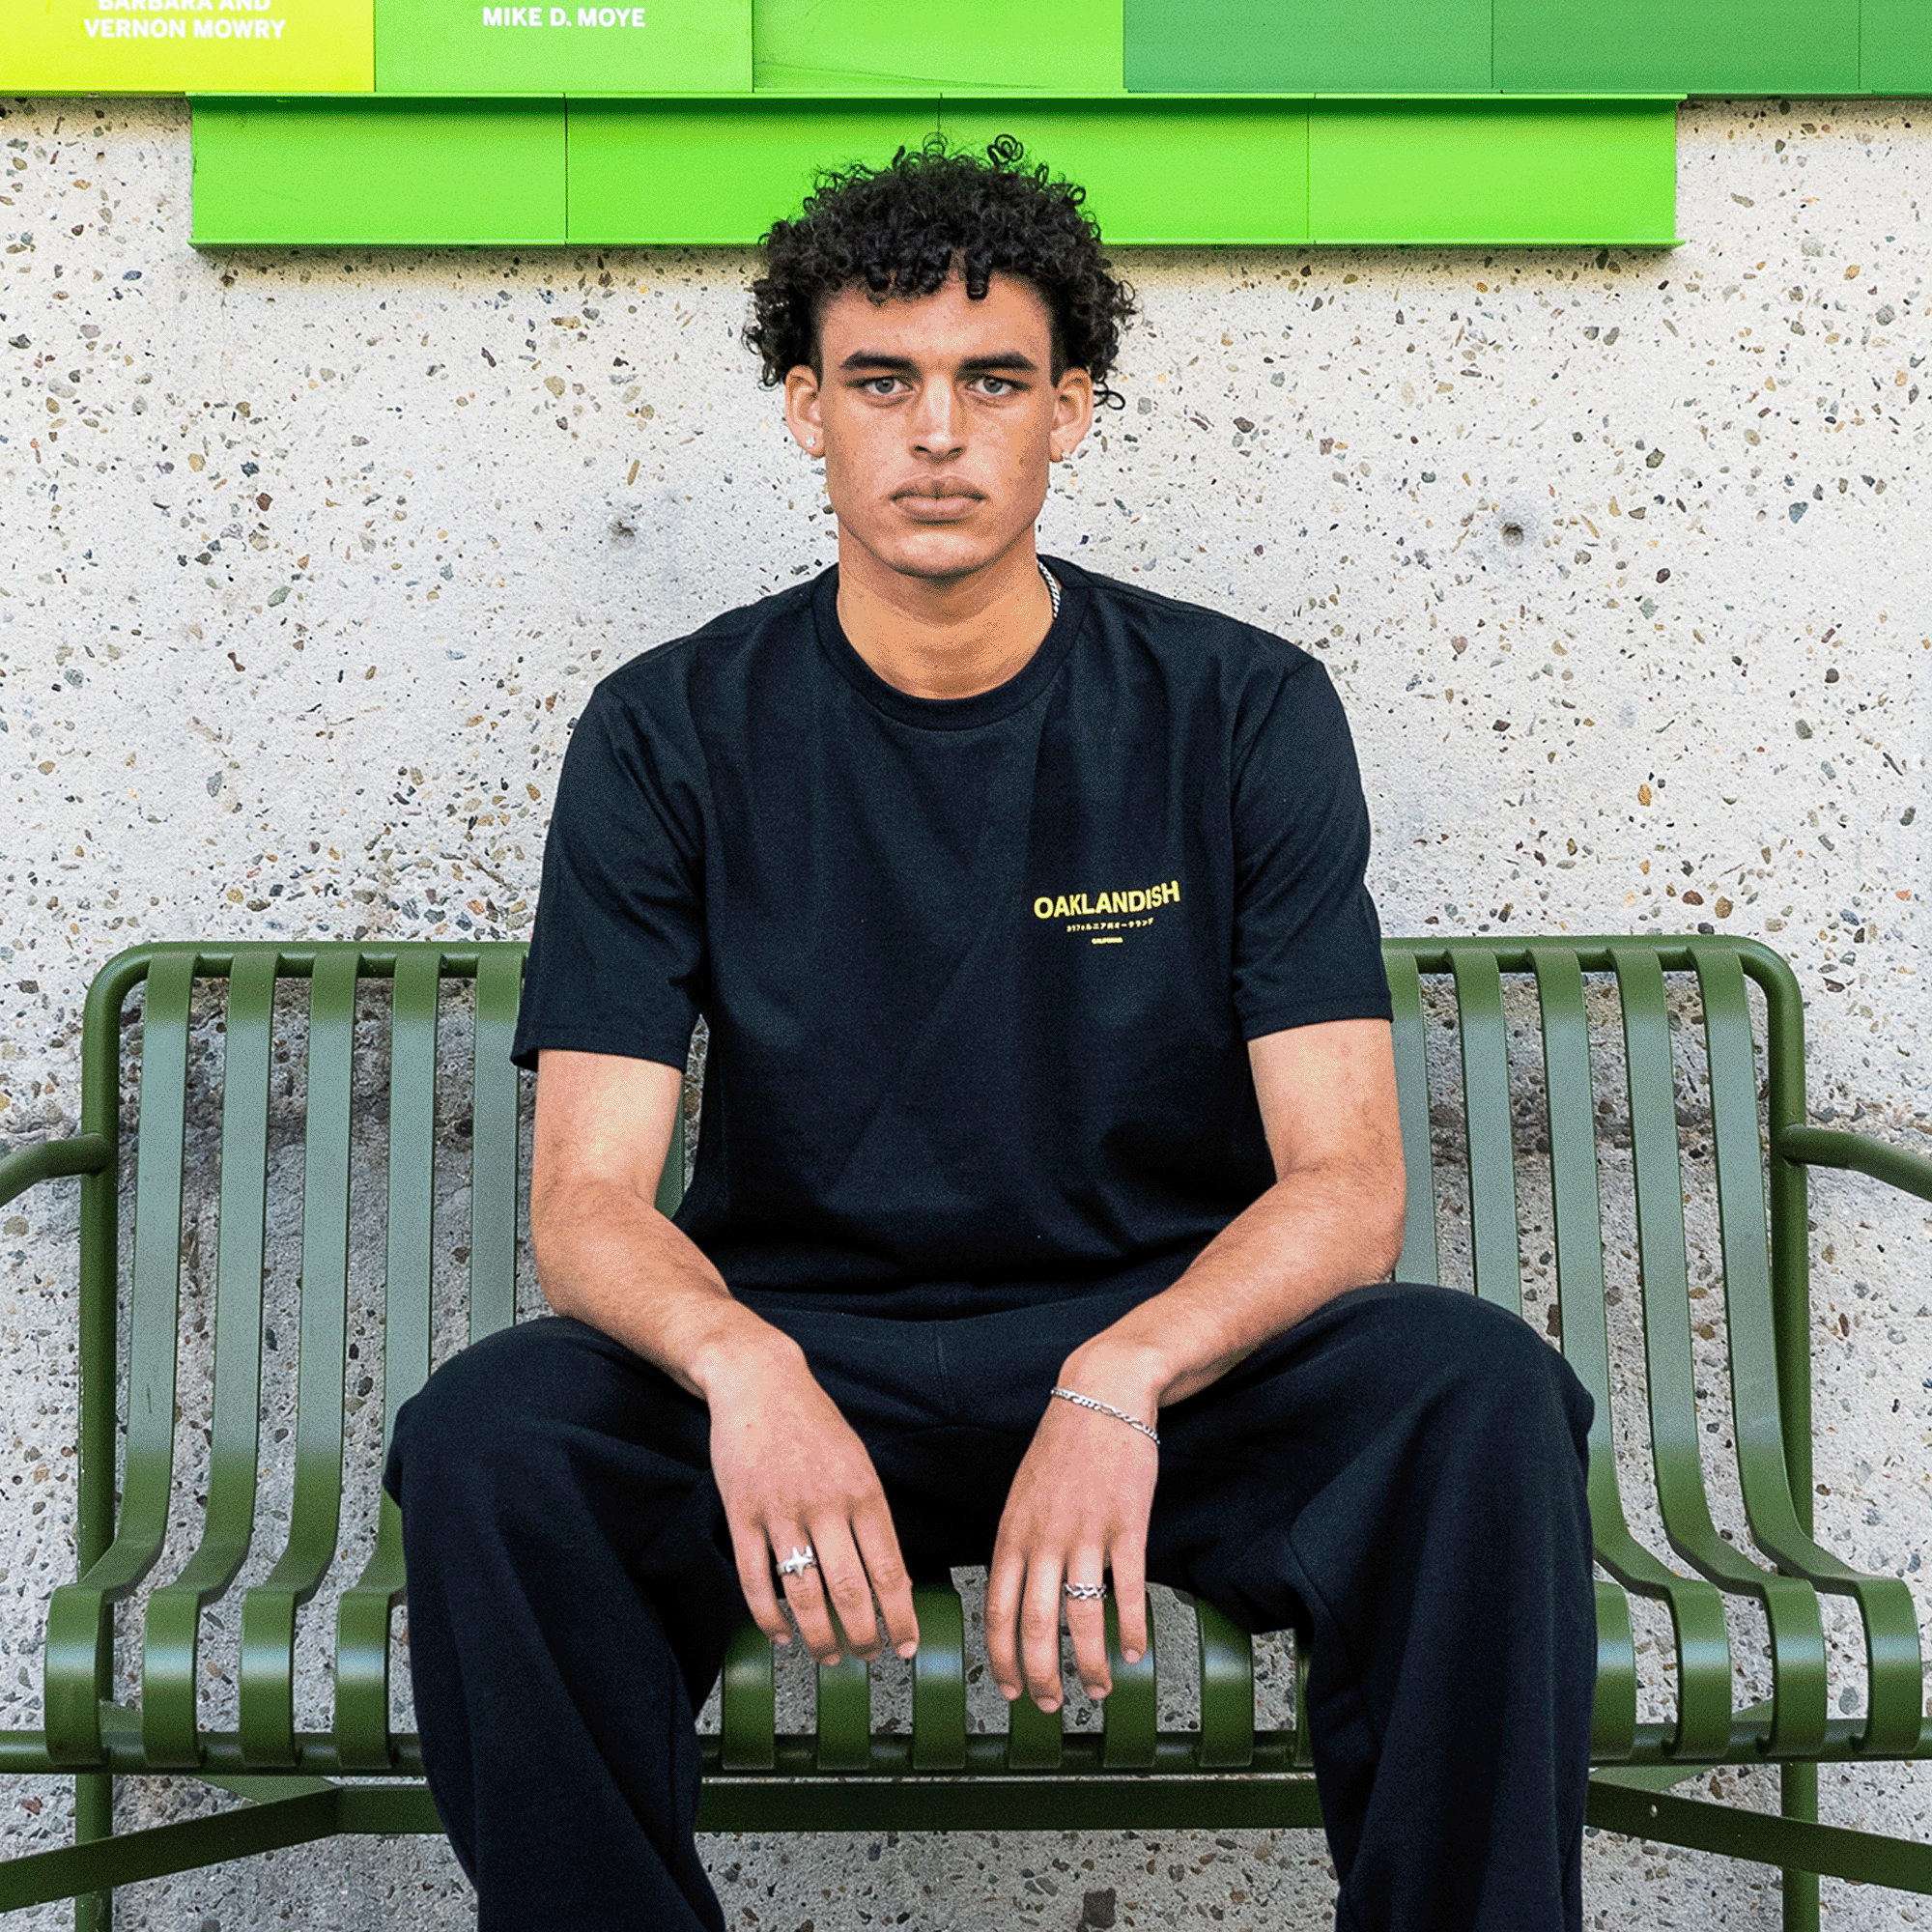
979, 972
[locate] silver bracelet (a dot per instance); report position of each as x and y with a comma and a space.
1108, 1408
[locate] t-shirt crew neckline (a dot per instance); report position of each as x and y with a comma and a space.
953, 713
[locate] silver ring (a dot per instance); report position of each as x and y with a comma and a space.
1085, 1593
799, 1562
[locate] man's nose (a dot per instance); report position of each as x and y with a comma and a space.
939, 422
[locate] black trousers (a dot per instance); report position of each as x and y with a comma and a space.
1400, 1478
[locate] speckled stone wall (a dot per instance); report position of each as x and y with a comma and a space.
1619, 558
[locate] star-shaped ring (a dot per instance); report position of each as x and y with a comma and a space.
799, 1562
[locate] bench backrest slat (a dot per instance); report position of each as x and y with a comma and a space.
493, 1199
1418, 1261
1494, 1239
1576, 1203
1657, 1174
248, 1032
322, 1339
415, 1000
154, 1312
1743, 1218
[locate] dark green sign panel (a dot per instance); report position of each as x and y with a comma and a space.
473, 47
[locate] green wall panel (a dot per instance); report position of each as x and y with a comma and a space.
467, 46
1493, 171
1896, 51
368, 170
1165, 171
718, 171
1680, 46
1307, 46
902, 47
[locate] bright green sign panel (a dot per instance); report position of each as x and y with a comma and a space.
473, 46
181, 46
391, 173
1493, 171
1679, 46
1164, 170
718, 171
1307, 46
898, 46
1896, 54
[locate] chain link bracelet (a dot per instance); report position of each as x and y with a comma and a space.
1107, 1408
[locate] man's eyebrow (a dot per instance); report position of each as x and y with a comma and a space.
902, 365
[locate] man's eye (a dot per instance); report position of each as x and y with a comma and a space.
880, 385
995, 385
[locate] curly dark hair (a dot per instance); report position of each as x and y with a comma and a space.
899, 231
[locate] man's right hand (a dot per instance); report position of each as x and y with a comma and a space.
791, 1471
793, 1475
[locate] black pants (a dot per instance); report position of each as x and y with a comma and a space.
1400, 1478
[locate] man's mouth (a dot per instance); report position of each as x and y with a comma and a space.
936, 498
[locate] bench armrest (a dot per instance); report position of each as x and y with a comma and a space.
84, 1153
1828, 1147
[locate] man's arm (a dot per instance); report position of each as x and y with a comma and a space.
788, 1466
1333, 1220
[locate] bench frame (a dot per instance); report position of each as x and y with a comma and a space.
845, 1775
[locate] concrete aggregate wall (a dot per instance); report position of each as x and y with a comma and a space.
307, 560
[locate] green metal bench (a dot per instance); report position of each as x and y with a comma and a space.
1559, 1074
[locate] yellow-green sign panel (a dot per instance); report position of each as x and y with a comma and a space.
181, 46
563, 46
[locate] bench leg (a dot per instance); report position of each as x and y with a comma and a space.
1798, 1790
93, 1818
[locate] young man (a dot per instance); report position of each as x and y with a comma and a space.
1049, 1172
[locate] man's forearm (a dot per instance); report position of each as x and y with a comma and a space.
1310, 1236
607, 1257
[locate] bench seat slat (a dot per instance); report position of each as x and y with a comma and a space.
748, 1697
844, 1714
1130, 1719
1035, 1740
939, 1679
1227, 1690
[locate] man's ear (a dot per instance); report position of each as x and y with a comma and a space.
803, 416
1073, 413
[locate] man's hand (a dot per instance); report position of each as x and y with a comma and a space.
791, 1469
793, 1475
1078, 1508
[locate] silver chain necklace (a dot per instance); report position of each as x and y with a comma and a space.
1052, 589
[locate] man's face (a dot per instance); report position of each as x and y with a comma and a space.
937, 416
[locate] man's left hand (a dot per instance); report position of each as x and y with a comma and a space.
1078, 1509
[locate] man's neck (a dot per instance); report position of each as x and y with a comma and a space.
944, 637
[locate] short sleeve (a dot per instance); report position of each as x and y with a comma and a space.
618, 956
1307, 941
